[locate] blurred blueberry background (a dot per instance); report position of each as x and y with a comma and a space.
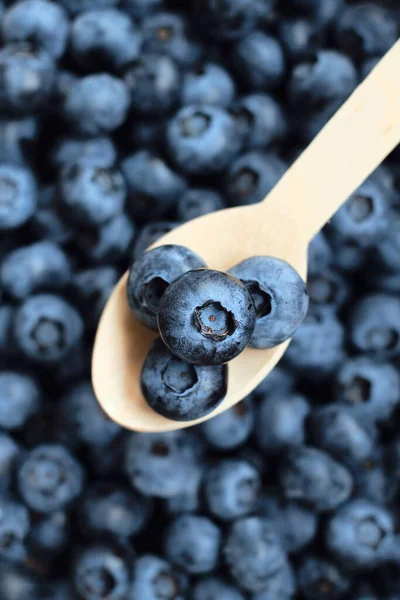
120, 119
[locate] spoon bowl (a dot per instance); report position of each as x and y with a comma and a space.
354, 142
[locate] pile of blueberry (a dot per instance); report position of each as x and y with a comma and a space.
206, 318
119, 119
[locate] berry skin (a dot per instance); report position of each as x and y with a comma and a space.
230, 20
259, 61
279, 295
321, 579
202, 139
14, 527
150, 234
261, 119
360, 534
49, 478
281, 585
20, 399
160, 464
9, 455
77, 6
27, 78
155, 579
166, 33
18, 194
17, 140
91, 195
214, 588
178, 390
39, 22
51, 534
252, 176
97, 104
109, 243
328, 289
104, 40
197, 202
101, 573
320, 254
94, 286
253, 553
375, 325
33, 268
153, 187
99, 151
206, 317
232, 428
281, 420
311, 476
152, 273
46, 328
231, 489
153, 82
209, 84
193, 543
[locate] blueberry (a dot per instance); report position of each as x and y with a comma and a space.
364, 218
7, 343
94, 287
389, 247
27, 77
259, 61
91, 195
190, 499
18, 195
231, 489
160, 464
232, 428
97, 104
46, 328
323, 77
313, 477
178, 390
20, 399
366, 30
104, 39
262, 120
349, 255
110, 243
319, 578
208, 84
311, 126
78, 6
193, 543
328, 289
83, 418
14, 527
155, 579
375, 325
300, 36
336, 431
100, 151
51, 534
370, 390
279, 295
281, 586
373, 479
115, 510
29, 269
138, 9
152, 273
252, 176
230, 20
40, 22
281, 421
153, 82
206, 317
253, 553
368, 66
49, 478
296, 524
202, 139
279, 380
100, 573
153, 187
309, 352
18, 583
197, 202
167, 33
17, 140
360, 534
9, 455
215, 588
150, 234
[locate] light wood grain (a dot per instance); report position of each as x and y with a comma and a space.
349, 148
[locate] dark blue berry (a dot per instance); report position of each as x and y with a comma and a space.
281, 585
206, 317
178, 390
9, 454
78, 6
328, 289
260, 61
152, 273
214, 588
20, 399
167, 33
197, 202
18, 195
318, 578
51, 534
94, 287
193, 543
261, 120
155, 579
231, 19
110, 243
232, 428
320, 254
99, 151
281, 421
202, 139
208, 84
14, 527
375, 325
17, 140
100, 573
279, 295
150, 234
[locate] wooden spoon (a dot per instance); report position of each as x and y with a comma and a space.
356, 140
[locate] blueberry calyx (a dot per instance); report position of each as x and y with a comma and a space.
360, 208
179, 377
195, 125
214, 321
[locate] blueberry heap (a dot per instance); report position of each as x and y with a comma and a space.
120, 119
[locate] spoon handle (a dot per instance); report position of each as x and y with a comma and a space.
349, 148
